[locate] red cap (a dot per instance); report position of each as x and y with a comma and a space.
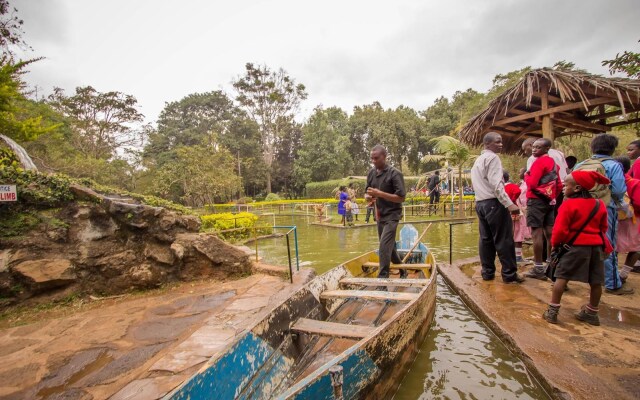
588, 179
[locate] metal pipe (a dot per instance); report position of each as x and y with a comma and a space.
295, 239
289, 255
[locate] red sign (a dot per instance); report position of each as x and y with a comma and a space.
8, 193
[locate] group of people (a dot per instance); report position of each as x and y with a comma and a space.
576, 214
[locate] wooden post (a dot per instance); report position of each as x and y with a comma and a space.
547, 123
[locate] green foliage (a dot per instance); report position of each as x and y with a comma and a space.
628, 63
328, 189
270, 98
237, 226
272, 197
36, 189
15, 223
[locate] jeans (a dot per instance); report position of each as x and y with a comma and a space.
370, 212
611, 276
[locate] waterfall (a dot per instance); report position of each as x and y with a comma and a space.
20, 152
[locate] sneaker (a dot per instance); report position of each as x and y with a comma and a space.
636, 269
586, 316
517, 279
621, 291
536, 275
551, 316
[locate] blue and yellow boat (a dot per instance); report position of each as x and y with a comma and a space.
346, 333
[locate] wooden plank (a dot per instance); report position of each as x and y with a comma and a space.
548, 111
399, 266
605, 115
582, 123
325, 328
627, 122
385, 282
368, 295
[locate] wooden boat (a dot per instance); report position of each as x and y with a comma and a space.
346, 317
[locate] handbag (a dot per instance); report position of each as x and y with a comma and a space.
556, 255
546, 189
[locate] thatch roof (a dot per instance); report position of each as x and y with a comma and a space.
568, 102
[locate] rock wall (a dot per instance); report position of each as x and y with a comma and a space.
109, 246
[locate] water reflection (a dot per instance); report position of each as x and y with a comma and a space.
461, 358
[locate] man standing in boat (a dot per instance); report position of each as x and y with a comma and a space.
385, 188
493, 206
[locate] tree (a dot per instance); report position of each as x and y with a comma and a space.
102, 122
200, 174
324, 152
10, 29
454, 152
628, 62
270, 99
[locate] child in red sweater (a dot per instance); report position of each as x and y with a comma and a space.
514, 192
583, 261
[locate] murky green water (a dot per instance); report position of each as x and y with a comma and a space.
460, 358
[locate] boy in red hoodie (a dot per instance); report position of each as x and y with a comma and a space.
583, 261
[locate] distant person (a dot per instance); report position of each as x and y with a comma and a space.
351, 191
493, 207
571, 162
342, 199
385, 186
348, 212
583, 261
434, 188
603, 146
521, 231
561, 162
370, 209
355, 209
543, 184
633, 151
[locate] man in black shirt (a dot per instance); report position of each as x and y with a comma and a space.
434, 188
385, 187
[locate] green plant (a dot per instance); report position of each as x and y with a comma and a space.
272, 197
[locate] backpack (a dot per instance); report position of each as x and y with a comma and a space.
599, 191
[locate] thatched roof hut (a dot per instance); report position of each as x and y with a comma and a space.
552, 103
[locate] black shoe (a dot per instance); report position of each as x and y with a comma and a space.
488, 278
517, 279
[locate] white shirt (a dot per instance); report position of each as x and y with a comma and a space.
487, 178
558, 157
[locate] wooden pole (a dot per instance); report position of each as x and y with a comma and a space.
547, 123
406, 257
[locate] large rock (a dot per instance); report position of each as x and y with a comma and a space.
46, 273
206, 255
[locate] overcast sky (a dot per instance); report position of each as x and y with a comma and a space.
346, 53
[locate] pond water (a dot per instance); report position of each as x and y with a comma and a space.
460, 358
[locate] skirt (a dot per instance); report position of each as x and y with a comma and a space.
628, 237
582, 264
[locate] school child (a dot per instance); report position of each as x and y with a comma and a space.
580, 231
355, 209
628, 212
519, 223
348, 208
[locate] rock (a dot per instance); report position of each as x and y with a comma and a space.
178, 250
84, 193
46, 273
90, 230
159, 253
5, 256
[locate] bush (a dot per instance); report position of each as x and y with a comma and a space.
272, 197
242, 221
36, 189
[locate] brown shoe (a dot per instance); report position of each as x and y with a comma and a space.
551, 315
585, 316
621, 291
517, 279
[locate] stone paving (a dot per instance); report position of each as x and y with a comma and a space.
138, 348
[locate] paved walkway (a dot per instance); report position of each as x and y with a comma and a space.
133, 347
573, 360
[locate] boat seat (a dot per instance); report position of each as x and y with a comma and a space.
398, 266
385, 282
368, 295
335, 329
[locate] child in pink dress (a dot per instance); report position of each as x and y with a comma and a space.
521, 231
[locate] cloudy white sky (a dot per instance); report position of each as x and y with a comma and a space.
347, 53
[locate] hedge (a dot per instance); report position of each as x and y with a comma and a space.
327, 188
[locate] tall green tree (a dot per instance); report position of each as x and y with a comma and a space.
103, 123
324, 154
628, 63
271, 99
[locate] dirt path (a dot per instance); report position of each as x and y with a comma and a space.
132, 347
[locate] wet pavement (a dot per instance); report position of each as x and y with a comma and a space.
572, 359
134, 347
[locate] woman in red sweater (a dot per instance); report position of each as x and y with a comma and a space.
583, 262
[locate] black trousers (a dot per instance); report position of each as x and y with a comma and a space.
434, 197
370, 211
387, 251
496, 235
